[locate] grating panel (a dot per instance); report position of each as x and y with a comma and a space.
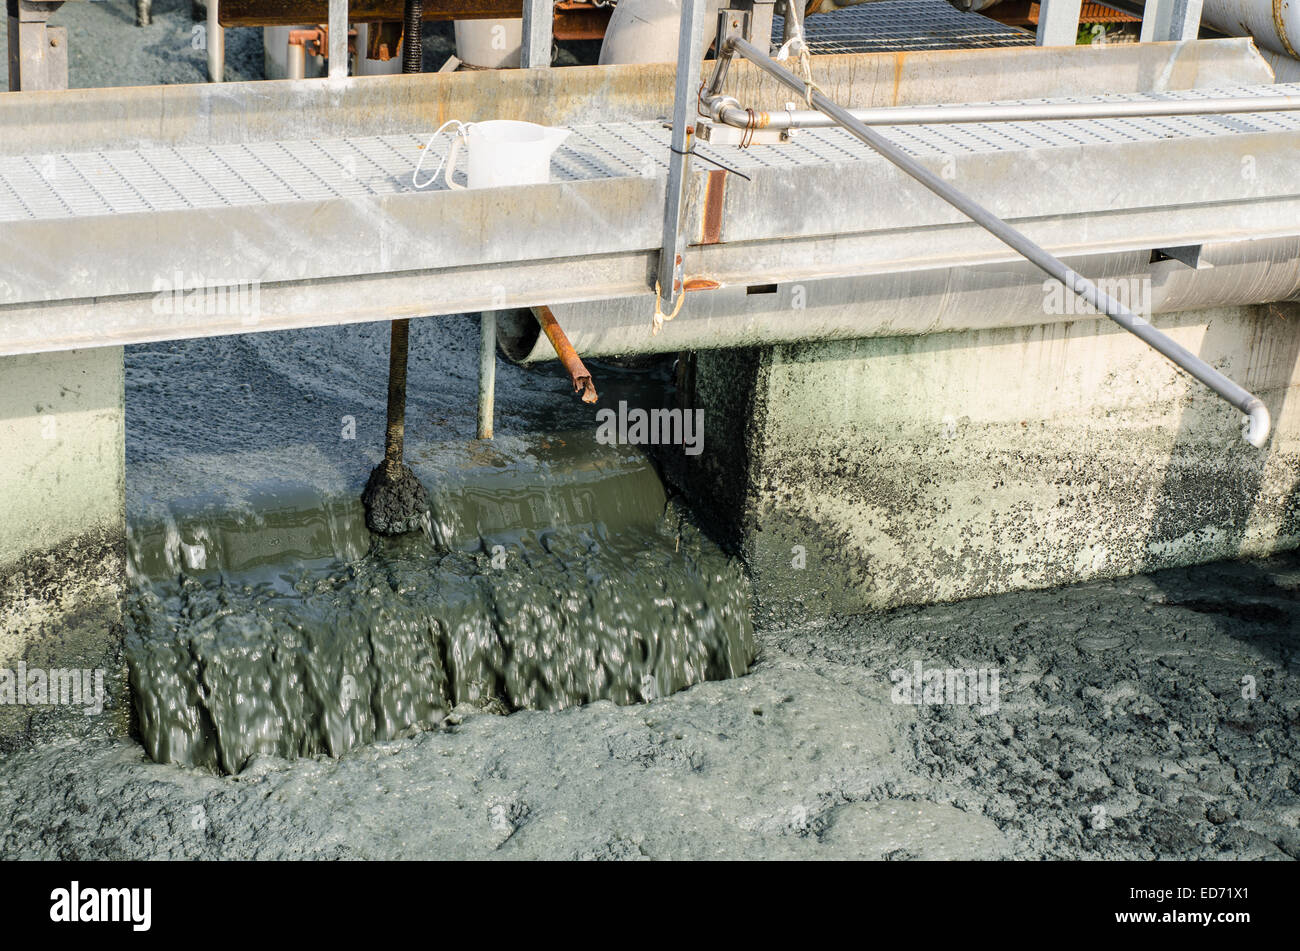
88, 184
898, 25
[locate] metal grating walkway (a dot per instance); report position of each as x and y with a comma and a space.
90, 184
900, 25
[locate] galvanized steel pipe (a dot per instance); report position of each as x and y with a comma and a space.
723, 109
216, 40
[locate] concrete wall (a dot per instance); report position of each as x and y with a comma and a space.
62, 535
949, 466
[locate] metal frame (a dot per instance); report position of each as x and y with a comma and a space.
669, 283
1058, 22
539, 19
437, 252
338, 56
722, 110
1164, 20
1257, 430
38, 52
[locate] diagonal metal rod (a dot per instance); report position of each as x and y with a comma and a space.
1258, 430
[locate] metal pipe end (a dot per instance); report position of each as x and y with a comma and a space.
1258, 425
517, 334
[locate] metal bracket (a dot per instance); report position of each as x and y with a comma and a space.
719, 133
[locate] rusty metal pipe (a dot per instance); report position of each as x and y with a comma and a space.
581, 377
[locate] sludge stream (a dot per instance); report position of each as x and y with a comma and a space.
553, 571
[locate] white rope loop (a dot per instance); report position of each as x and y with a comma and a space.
461, 129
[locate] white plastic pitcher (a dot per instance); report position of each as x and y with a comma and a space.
505, 152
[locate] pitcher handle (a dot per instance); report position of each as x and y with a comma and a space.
449, 160
452, 154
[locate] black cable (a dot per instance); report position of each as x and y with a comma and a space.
412, 47
705, 158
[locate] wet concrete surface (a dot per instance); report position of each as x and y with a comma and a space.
1147, 717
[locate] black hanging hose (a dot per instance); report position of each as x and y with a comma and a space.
394, 499
412, 48
395, 434
412, 62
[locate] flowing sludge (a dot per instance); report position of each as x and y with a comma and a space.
324, 658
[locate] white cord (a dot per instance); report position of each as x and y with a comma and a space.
462, 127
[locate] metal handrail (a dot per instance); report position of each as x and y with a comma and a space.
722, 109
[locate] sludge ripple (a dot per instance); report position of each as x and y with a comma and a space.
228, 666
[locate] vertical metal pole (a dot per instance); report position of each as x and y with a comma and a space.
399, 334
487, 372
1058, 22
539, 17
1164, 20
761, 13
296, 61
216, 44
338, 68
791, 25
690, 51
38, 53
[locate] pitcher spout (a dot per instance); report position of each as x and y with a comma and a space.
554, 137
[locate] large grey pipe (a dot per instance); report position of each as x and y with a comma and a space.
1275, 24
646, 31
1260, 424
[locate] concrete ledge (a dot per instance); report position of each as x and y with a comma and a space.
62, 542
61, 611
214, 113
